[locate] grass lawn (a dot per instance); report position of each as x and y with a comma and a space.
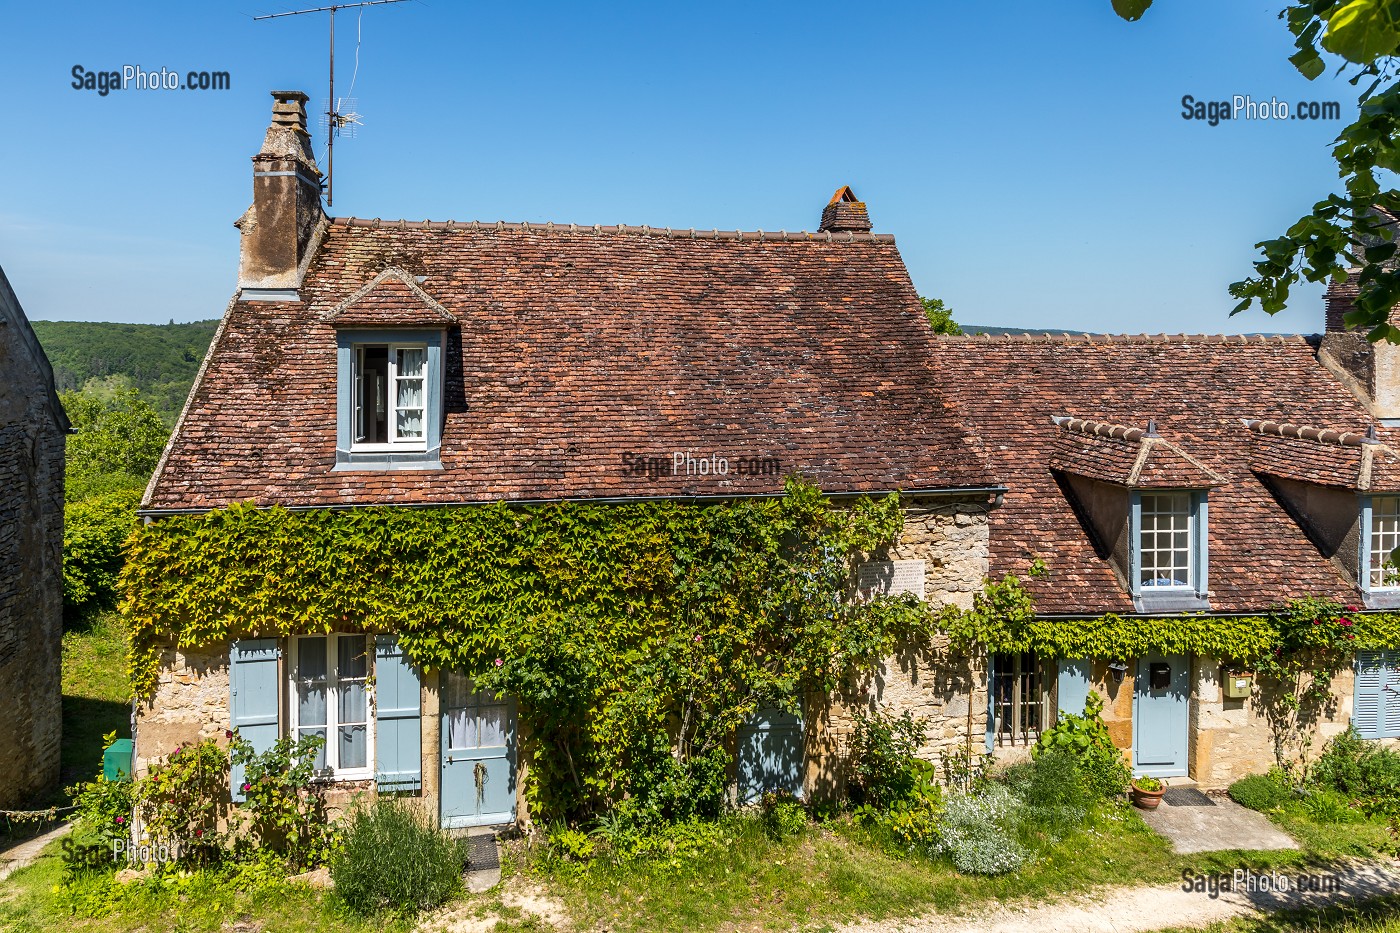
96, 694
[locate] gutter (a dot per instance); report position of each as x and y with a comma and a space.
996, 492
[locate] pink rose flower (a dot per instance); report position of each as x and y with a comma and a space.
1344, 622
499, 662
121, 819
247, 787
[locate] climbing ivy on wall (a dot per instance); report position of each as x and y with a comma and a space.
634, 638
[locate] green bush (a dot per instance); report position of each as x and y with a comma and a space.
978, 831
1260, 791
782, 815
102, 817
1366, 773
1325, 805
183, 800
1054, 790
283, 810
1101, 764
393, 859
883, 760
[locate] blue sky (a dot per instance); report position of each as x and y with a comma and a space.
1033, 163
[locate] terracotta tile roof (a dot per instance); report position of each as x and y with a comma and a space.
1127, 456
1197, 390
390, 299
1330, 457
577, 346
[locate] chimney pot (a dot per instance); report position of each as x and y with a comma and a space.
844, 214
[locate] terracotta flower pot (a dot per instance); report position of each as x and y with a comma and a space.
1147, 799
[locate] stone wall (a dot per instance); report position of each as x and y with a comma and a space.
947, 688
31, 568
190, 704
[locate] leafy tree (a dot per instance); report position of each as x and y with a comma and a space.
941, 317
117, 442
1354, 229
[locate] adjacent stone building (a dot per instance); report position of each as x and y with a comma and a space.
32, 430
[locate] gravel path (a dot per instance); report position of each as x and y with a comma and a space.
1144, 909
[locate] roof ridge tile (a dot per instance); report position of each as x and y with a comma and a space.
552, 228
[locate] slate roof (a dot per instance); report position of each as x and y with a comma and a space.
578, 345
1199, 391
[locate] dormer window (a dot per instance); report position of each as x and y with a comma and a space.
1169, 558
1382, 539
389, 399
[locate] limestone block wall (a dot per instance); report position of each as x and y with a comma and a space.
947, 688
31, 566
190, 704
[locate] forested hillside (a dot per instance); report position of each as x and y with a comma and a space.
159, 361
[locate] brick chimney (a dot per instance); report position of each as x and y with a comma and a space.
1371, 371
284, 225
844, 214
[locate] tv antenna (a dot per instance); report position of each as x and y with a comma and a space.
336, 119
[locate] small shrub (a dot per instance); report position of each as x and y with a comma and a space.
183, 799
782, 815
1054, 791
884, 762
962, 770
284, 812
1260, 792
104, 810
1367, 773
1325, 805
570, 845
1101, 765
1149, 784
977, 831
391, 858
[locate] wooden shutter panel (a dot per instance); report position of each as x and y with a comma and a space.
1369, 698
398, 740
253, 698
1072, 686
1390, 694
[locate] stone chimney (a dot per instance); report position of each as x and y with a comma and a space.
1371, 371
284, 225
844, 214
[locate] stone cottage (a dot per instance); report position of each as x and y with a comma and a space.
1162, 476
32, 430
433, 364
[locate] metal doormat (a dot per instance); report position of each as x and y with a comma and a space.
482, 853
1186, 797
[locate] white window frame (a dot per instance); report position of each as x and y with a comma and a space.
332, 771
1196, 539
391, 397
1370, 507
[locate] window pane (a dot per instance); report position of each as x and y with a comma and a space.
461, 728
1164, 544
410, 394
410, 361
409, 423
354, 746
491, 727
311, 682
320, 752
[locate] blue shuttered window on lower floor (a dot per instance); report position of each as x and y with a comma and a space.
1375, 710
398, 718
253, 700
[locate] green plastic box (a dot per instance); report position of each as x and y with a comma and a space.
116, 760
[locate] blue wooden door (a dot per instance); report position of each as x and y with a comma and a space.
478, 755
770, 753
1160, 715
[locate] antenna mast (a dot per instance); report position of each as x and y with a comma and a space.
334, 118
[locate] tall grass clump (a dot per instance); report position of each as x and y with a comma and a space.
393, 859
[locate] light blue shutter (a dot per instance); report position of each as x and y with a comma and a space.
1072, 686
1390, 695
1368, 701
398, 739
253, 699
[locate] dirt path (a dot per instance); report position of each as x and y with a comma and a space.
1143, 909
